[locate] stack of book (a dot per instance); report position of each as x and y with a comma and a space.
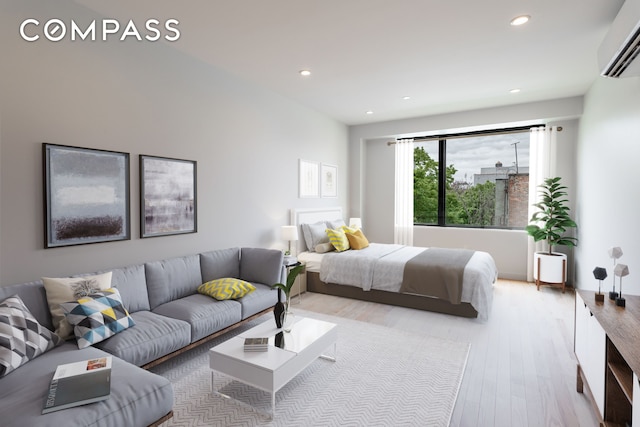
256, 344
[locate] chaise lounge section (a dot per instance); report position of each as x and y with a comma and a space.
170, 317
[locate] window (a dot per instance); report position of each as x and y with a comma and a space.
478, 179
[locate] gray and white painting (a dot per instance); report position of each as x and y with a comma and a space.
168, 195
87, 196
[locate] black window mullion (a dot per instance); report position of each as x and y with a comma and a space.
442, 181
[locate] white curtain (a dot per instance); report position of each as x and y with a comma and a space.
403, 230
542, 165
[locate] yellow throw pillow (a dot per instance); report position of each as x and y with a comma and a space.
357, 240
226, 288
338, 239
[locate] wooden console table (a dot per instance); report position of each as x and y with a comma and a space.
607, 346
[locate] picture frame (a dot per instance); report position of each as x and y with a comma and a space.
308, 178
329, 180
168, 196
86, 195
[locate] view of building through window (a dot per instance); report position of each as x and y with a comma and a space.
486, 183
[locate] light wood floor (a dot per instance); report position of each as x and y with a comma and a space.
521, 369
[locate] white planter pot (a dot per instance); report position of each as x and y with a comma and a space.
551, 267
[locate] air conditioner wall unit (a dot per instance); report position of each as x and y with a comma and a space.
619, 51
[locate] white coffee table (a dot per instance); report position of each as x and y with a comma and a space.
273, 369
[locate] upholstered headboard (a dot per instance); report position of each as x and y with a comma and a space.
310, 216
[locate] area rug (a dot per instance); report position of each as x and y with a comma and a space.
382, 377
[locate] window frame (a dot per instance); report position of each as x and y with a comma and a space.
442, 168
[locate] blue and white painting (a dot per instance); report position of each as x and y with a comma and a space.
87, 194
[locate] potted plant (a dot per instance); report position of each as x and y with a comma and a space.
282, 312
550, 223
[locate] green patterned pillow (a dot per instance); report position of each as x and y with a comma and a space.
226, 288
338, 239
97, 317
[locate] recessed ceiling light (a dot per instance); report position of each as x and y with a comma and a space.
406, 98
305, 73
519, 20
369, 112
516, 90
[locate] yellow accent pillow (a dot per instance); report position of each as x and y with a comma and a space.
357, 240
226, 288
338, 239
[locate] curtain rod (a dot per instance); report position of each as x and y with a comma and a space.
475, 133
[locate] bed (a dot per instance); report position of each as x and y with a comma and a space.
461, 281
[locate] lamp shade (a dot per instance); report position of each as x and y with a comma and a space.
289, 232
355, 222
621, 270
600, 273
615, 252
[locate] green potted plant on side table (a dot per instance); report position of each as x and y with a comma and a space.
282, 312
551, 223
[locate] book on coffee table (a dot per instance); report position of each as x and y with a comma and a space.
79, 383
256, 344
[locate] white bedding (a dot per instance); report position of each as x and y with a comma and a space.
381, 266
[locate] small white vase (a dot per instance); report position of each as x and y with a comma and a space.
288, 318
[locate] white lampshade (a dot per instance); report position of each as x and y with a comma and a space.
621, 270
355, 222
289, 232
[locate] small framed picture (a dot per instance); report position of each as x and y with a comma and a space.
86, 195
329, 180
309, 172
168, 194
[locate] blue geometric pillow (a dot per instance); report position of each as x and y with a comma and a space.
97, 317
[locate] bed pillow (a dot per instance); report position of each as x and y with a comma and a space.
61, 290
97, 317
314, 234
22, 338
226, 288
357, 239
324, 248
336, 223
338, 239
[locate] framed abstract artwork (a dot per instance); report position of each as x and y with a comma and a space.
86, 195
308, 178
329, 180
168, 194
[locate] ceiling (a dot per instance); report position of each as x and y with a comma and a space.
366, 55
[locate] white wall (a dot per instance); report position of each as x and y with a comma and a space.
609, 182
372, 175
147, 98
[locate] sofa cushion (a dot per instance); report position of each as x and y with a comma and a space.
34, 297
204, 314
138, 397
60, 290
97, 317
258, 265
220, 263
262, 298
132, 284
171, 279
22, 338
226, 288
153, 336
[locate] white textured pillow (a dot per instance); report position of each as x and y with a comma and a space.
61, 290
325, 247
314, 234
336, 223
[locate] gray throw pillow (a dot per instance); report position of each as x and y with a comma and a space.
314, 234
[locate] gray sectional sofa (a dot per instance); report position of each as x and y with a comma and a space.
170, 317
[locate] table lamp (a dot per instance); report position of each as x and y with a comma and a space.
290, 234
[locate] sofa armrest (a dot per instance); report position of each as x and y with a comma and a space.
261, 265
